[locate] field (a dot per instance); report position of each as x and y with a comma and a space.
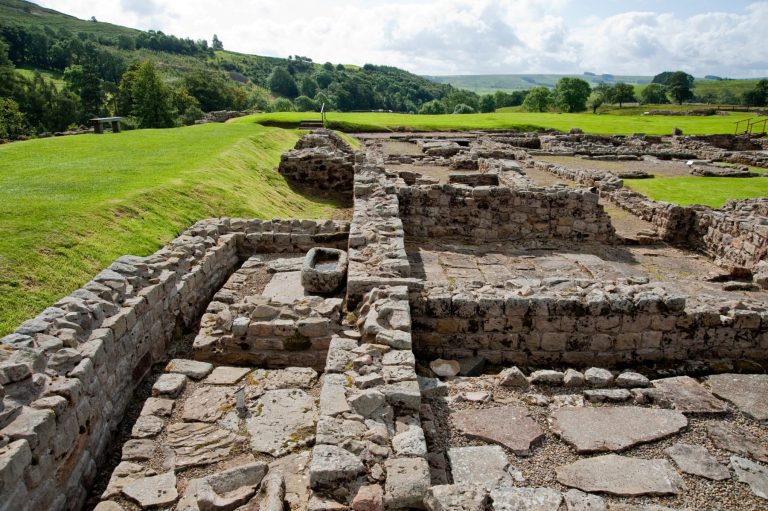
69, 206
603, 124
709, 191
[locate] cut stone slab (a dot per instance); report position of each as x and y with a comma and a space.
169, 384
445, 368
528, 499
456, 497
621, 475
285, 287
332, 466
598, 377
290, 377
510, 426
147, 426
407, 482
333, 400
749, 392
192, 368
688, 396
139, 450
295, 471
734, 439
281, 421
547, 377
754, 474
154, 491
124, 473
158, 406
632, 380
108, 505
199, 443
485, 465
607, 395
576, 500
224, 375
617, 428
696, 460
223, 490
208, 404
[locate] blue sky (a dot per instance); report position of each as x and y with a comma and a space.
642, 37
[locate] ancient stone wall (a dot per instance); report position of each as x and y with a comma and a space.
605, 324
736, 235
487, 213
321, 160
67, 375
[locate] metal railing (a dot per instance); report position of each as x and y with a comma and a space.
750, 126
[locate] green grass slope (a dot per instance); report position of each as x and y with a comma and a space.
709, 191
71, 205
523, 121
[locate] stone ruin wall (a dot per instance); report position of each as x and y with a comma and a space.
490, 213
734, 235
71, 371
320, 160
605, 324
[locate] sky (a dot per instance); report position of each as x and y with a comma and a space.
449, 37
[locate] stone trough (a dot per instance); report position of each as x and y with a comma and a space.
324, 270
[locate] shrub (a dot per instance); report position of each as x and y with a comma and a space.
305, 104
282, 105
461, 108
434, 107
11, 120
487, 104
538, 100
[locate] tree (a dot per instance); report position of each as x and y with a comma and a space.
216, 43
487, 103
308, 87
654, 94
757, 96
680, 86
282, 83
538, 100
461, 108
305, 104
281, 105
622, 93
461, 97
209, 89
571, 94
83, 81
434, 107
9, 83
151, 98
324, 79
11, 119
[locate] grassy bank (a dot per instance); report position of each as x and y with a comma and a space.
522, 121
709, 191
71, 205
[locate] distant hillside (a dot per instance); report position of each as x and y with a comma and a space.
47, 40
484, 84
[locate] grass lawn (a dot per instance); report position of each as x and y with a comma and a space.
525, 121
69, 206
710, 191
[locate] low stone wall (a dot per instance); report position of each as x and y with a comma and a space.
67, 375
377, 254
736, 235
604, 324
499, 213
321, 160
370, 451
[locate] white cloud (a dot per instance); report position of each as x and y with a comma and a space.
462, 36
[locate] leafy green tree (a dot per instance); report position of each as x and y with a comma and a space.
9, 83
210, 90
461, 97
757, 96
622, 93
85, 82
654, 94
151, 98
680, 86
186, 106
727, 97
595, 103
282, 105
282, 83
434, 107
504, 99
487, 103
461, 108
308, 87
571, 94
216, 43
11, 119
324, 79
538, 100
327, 99
305, 104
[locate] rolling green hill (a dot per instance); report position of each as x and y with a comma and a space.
484, 84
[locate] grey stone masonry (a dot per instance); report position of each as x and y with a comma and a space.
321, 160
